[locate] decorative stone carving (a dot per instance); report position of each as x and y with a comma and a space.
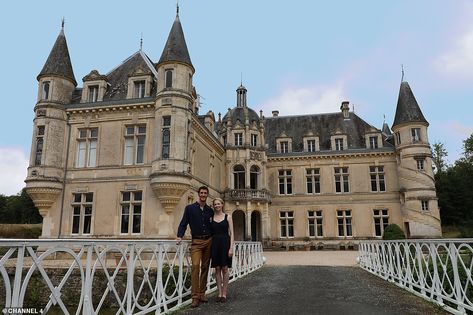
43, 198
169, 194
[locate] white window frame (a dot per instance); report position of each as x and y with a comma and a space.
312, 178
285, 181
381, 218
420, 164
339, 144
83, 206
346, 219
342, 177
139, 88
286, 224
284, 146
46, 92
133, 205
238, 139
254, 139
134, 144
93, 93
415, 135
315, 219
425, 205
377, 177
87, 147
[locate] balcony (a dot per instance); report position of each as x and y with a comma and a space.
262, 195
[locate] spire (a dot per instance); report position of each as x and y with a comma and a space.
386, 130
59, 62
407, 108
176, 48
241, 96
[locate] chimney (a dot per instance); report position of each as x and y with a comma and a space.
275, 113
345, 109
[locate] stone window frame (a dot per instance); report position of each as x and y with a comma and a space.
286, 216
281, 140
420, 163
254, 136
347, 221
343, 174
132, 203
344, 142
313, 180
88, 138
39, 145
137, 133
82, 204
380, 214
47, 91
369, 137
318, 221
425, 205
132, 80
397, 135
101, 89
416, 135
306, 143
377, 177
285, 182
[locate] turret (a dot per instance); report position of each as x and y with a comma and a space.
416, 178
44, 181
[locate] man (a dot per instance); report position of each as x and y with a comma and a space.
199, 216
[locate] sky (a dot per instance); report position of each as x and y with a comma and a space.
298, 57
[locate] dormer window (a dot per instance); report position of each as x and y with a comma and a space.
168, 79
93, 93
284, 146
373, 142
311, 145
139, 91
45, 92
254, 140
238, 139
339, 144
415, 134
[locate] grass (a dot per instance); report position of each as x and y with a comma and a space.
451, 231
20, 230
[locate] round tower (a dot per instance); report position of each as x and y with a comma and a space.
416, 178
56, 84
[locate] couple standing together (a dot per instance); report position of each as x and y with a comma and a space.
212, 237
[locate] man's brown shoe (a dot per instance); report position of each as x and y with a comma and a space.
204, 299
195, 303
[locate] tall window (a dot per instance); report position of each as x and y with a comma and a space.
315, 221
224, 138
238, 139
311, 145
87, 148
377, 178
254, 174
344, 223
82, 205
39, 145
286, 220
373, 142
239, 177
166, 136
139, 89
284, 146
168, 78
45, 92
285, 182
381, 221
254, 140
134, 144
425, 205
131, 212
415, 134
339, 144
341, 180
93, 93
313, 180
398, 137
420, 163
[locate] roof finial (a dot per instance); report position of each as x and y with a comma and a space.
402, 71
241, 78
384, 118
141, 42
62, 23
177, 8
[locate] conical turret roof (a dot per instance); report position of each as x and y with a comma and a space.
176, 48
407, 108
59, 62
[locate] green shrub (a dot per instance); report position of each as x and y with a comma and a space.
20, 230
393, 232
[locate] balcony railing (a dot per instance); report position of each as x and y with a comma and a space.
437, 270
95, 276
248, 194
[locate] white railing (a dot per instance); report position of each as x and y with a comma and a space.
119, 276
437, 270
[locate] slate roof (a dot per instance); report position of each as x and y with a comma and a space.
407, 109
238, 113
386, 129
176, 48
322, 125
59, 61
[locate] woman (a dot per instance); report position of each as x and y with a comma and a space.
222, 248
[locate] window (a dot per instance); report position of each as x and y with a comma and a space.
82, 204
87, 148
224, 138
311, 145
398, 138
139, 89
415, 133
131, 212
339, 144
285, 182
315, 223
239, 177
166, 136
39, 145
377, 178
373, 142
425, 205
254, 141
381, 221
344, 223
284, 146
45, 92
134, 144
254, 174
286, 219
341, 180
168, 79
313, 180
420, 164
93, 93
238, 139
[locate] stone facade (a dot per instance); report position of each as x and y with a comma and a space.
123, 155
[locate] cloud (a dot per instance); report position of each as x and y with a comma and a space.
13, 165
458, 60
306, 100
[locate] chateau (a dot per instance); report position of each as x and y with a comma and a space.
121, 156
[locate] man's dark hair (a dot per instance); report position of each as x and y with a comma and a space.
203, 188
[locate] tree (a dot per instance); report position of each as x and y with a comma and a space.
468, 148
18, 209
439, 155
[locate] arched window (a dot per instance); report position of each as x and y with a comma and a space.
254, 174
168, 78
239, 177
